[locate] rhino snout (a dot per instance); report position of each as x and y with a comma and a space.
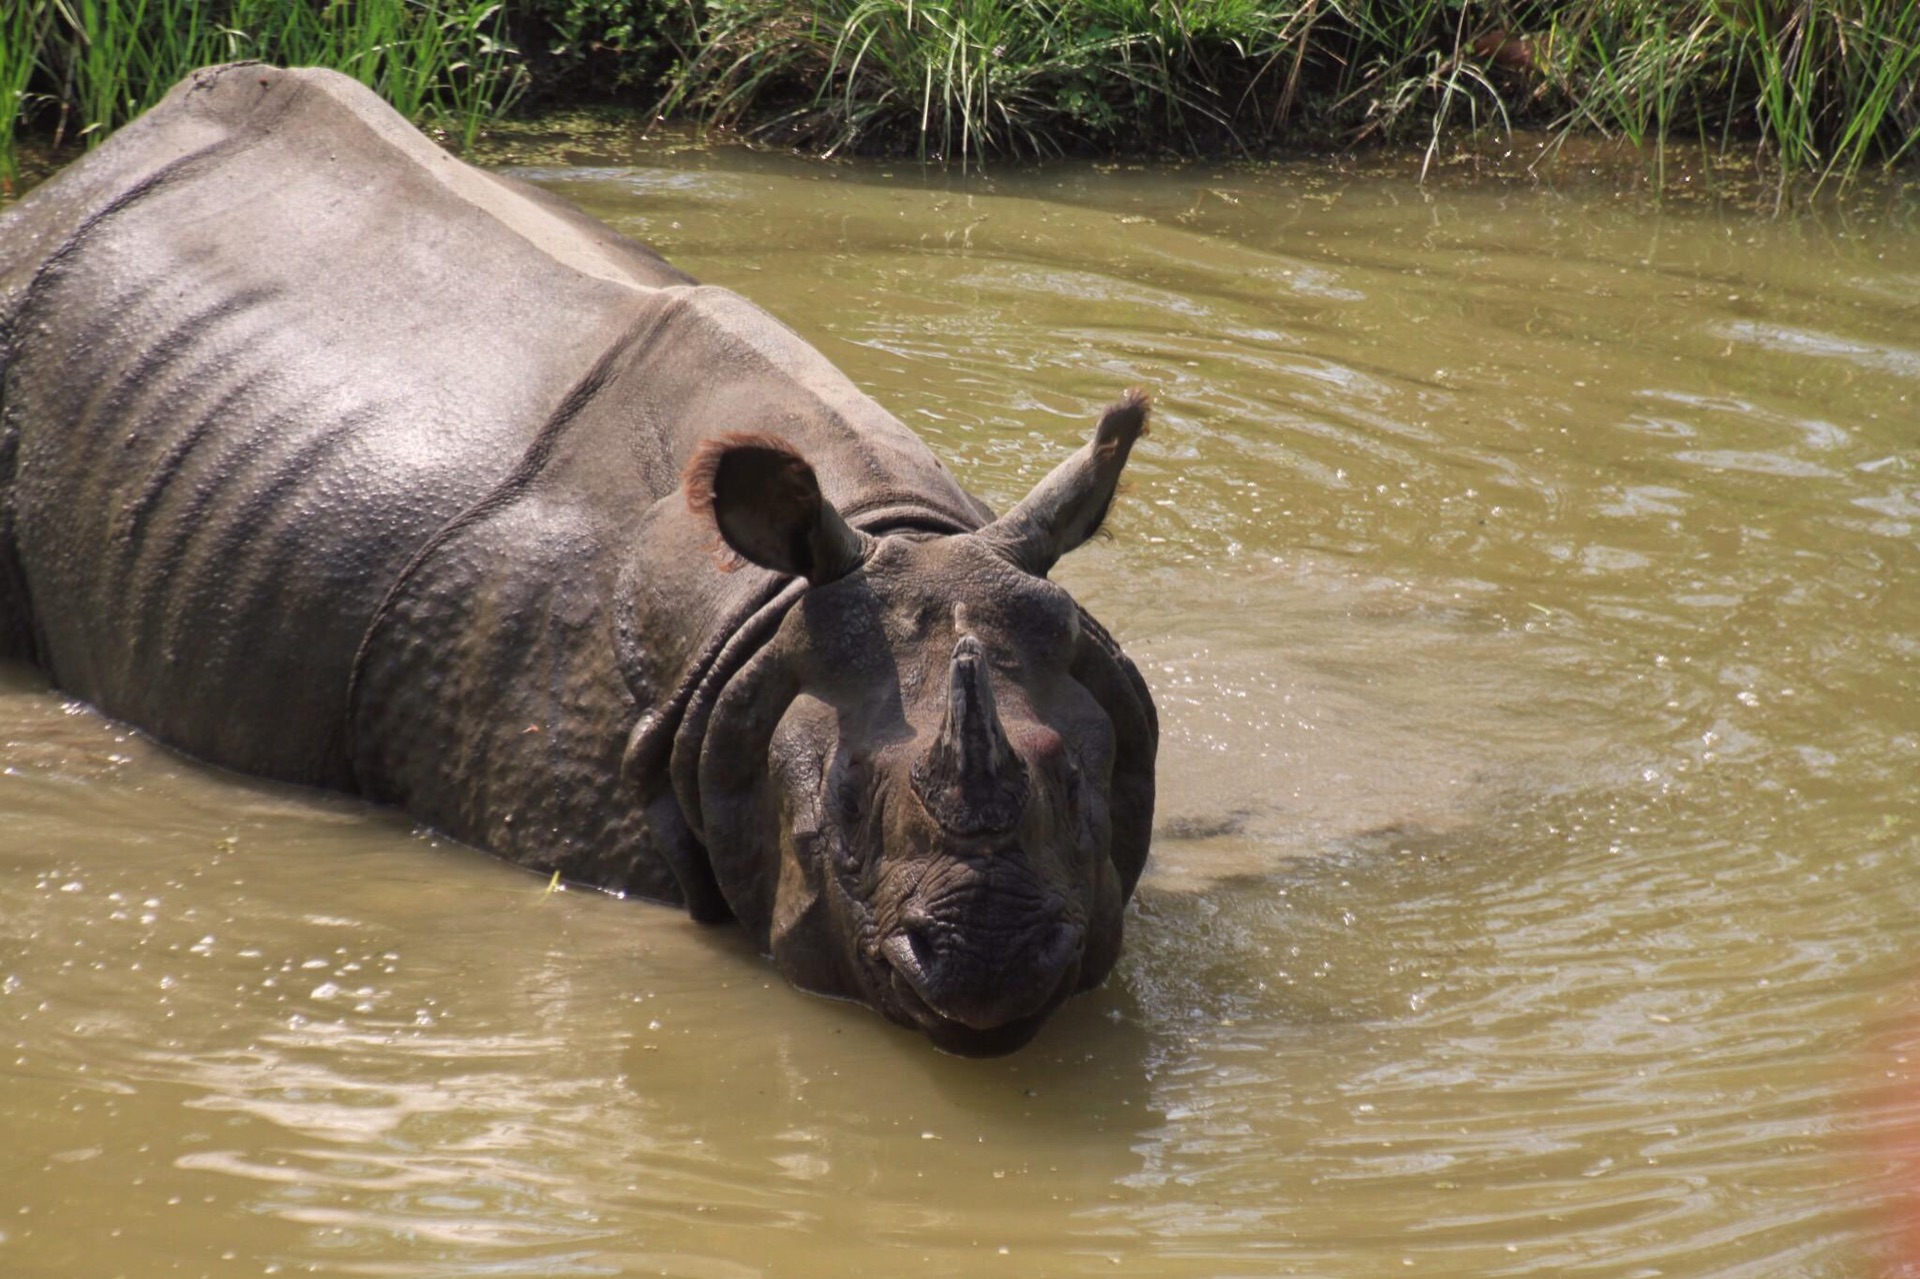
994, 979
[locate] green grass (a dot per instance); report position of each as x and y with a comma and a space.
1818, 87
957, 79
81, 68
1824, 87
17, 40
1821, 86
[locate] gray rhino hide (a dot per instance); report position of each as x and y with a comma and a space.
358, 467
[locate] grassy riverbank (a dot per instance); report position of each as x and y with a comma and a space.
1822, 87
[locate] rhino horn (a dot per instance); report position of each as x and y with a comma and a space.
1067, 507
970, 780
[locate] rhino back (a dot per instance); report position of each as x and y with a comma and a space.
254, 352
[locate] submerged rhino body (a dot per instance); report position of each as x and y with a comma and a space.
328, 458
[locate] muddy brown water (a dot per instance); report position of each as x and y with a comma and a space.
1528, 581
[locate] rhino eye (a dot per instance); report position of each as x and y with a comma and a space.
852, 799
846, 841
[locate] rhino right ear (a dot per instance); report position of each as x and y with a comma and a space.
766, 502
1067, 507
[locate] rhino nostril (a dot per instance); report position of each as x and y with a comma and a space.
1061, 948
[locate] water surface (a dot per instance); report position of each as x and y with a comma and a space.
1527, 580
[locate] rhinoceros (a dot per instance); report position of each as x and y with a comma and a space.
329, 458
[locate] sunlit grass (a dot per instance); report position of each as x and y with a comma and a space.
1824, 87
957, 77
1820, 86
84, 67
19, 45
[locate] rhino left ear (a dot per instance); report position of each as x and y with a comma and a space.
767, 504
1067, 507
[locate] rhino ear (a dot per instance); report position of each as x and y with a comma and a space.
1067, 507
767, 505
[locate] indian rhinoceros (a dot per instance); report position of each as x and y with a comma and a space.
329, 458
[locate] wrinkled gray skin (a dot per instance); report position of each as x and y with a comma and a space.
328, 458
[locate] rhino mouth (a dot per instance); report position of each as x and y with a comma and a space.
958, 1037
982, 1018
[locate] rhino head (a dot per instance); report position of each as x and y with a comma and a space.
931, 791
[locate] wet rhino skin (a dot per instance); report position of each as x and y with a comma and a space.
328, 458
